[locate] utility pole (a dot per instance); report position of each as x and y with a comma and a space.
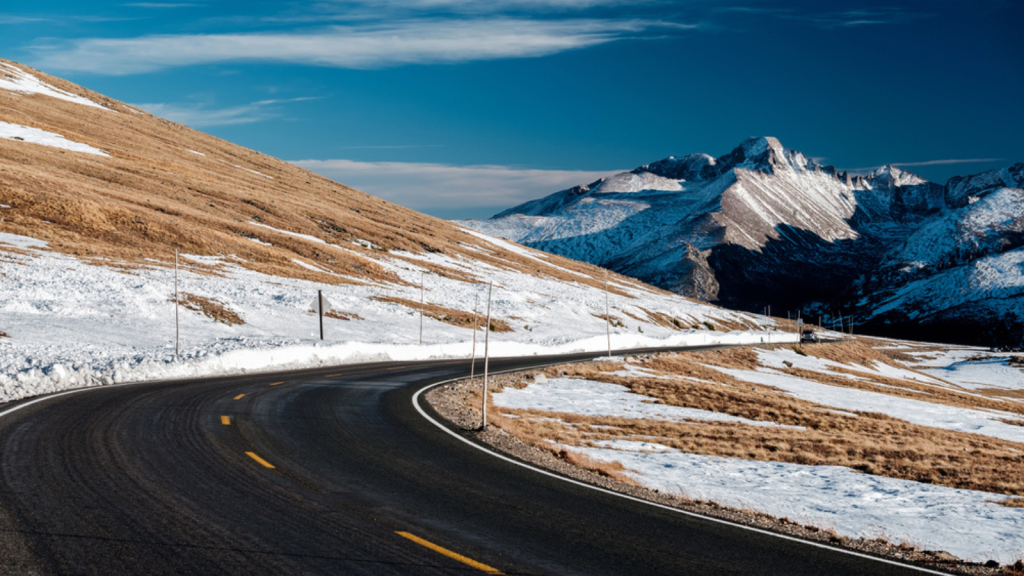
607, 315
177, 325
320, 309
421, 307
472, 366
487, 355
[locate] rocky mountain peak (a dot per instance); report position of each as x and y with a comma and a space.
892, 176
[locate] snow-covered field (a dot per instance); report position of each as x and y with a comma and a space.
603, 399
970, 524
966, 523
73, 323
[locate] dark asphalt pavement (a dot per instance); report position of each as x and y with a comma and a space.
148, 479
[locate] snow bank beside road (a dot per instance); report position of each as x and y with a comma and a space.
71, 323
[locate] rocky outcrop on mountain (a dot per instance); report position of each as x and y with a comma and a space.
765, 225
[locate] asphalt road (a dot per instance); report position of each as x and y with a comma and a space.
173, 478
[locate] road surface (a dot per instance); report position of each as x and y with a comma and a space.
327, 471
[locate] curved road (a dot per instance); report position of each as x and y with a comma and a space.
153, 479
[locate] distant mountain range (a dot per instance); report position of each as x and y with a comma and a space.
764, 225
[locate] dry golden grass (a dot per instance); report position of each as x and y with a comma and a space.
153, 196
448, 315
858, 352
339, 315
210, 308
872, 443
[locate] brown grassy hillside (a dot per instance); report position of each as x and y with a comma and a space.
153, 195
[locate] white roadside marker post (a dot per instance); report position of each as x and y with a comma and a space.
177, 325
607, 315
487, 354
472, 365
421, 307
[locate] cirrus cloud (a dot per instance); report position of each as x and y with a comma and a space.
366, 46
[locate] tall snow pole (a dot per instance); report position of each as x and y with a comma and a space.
487, 354
607, 315
320, 310
421, 307
472, 366
177, 325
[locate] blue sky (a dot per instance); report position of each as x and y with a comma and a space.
461, 108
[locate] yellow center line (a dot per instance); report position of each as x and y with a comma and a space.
225, 420
333, 375
449, 553
239, 397
260, 460
276, 383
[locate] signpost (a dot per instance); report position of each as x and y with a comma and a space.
319, 305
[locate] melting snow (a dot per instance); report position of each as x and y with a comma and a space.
967, 523
37, 136
17, 80
590, 398
915, 411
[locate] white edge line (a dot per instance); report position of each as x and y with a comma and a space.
44, 398
415, 403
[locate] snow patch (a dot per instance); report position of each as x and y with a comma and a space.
14, 79
590, 398
966, 523
37, 136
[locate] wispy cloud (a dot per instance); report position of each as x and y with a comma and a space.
160, 5
203, 115
944, 162
15, 19
442, 188
950, 161
857, 18
367, 46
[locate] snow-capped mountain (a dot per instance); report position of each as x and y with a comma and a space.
764, 225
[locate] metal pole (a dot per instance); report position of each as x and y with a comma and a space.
607, 315
472, 366
421, 307
177, 325
320, 307
487, 354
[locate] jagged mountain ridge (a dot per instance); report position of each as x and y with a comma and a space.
765, 225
